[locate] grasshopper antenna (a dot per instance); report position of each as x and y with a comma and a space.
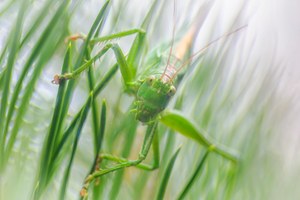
206, 47
196, 25
186, 42
172, 42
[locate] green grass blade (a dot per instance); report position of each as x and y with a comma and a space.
130, 126
102, 126
3, 53
156, 151
79, 60
93, 94
163, 185
100, 17
95, 109
195, 174
57, 117
39, 19
71, 84
99, 21
35, 53
6, 7
3, 70
58, 109
79, 116
137, 48
188, 128
46, 54
12, 55
101, 25
100, 136
75, 143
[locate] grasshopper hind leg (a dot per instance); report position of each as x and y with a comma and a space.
122, 163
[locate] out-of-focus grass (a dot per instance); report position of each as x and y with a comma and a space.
48, 148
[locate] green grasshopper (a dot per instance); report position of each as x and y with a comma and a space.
153, 90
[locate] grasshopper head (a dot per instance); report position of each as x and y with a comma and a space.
152, 98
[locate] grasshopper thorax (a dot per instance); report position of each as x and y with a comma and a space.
152, 97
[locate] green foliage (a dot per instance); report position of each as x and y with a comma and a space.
67, 150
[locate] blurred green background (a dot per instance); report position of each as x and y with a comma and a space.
242, 91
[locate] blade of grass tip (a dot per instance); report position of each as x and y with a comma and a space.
92, 31
163, 185
13, 51
102, 22
195, 174
176, 121
46, 54
29, 63
97, 25
75, 143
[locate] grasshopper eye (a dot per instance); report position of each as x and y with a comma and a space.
172, 91
150, 80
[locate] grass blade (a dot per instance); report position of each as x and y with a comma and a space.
34, 55
100, 136
46, 54
95, 109
102, 126
48, 161
130, 125
75, 143
39, 19
13, 52
194, 176
58, 109
93, 94
166, 176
